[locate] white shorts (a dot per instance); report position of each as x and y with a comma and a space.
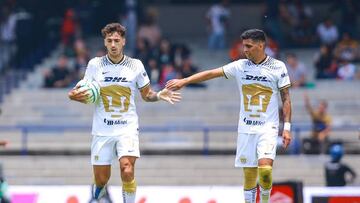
104, 149
252, 147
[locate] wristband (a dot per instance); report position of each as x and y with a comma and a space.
287, 126
158, 95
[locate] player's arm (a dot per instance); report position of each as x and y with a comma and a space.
150, 95
308, 106
286, 110
177, 84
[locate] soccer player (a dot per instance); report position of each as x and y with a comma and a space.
115, 122
260, 79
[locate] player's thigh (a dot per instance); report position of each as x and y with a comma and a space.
246, 150
266, 147
128, 145
103, 150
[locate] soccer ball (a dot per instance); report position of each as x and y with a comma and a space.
93, 89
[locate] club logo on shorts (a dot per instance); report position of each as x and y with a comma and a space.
96, 157
243, 160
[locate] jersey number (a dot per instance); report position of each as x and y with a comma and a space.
116, 99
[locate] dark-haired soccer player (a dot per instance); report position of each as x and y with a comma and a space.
260, 79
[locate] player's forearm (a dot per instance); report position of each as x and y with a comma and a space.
203, 76
286, 109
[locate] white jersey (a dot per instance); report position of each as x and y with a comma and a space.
259, 85
115, 112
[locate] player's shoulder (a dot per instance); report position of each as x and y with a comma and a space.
98, 61
274, 64
133, 63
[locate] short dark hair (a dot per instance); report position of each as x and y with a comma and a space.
254, 34
113, 27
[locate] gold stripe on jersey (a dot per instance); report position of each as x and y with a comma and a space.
224, 73
286, 86
256, 98
116, 99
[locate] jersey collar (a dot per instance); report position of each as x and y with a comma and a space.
261, 62
112, 63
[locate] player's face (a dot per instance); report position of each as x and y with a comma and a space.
114, 43
252, 49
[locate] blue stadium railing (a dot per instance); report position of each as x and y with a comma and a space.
295, 147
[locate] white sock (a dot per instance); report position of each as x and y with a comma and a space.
129, 197
250, 195
265, 195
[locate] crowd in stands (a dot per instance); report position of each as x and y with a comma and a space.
290, 24
163, 59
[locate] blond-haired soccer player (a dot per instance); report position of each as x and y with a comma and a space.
115, 126
260, 79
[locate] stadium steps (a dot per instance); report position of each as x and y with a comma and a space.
164, 170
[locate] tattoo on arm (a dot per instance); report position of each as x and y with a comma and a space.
285, 97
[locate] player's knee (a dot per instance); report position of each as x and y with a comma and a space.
250, 176
127, 171
265, 177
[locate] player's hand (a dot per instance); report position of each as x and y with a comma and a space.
78, 95
175, 84
169, 96
286, 135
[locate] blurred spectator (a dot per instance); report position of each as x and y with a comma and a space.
69, 28
149, 30
273, 12
337, 173
188, 69
347, 48
59, 76
272, 47
84, 16
303, 34
142, 50
129, 18
180, 52
296, 70
349, 10
4, 194
153, 71
165, 55
346, 71
168, 72
321, 122
327, 32
325, 63
217, 17
7, 34
236, 51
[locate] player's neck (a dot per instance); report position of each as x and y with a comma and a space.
260, 59
115, 59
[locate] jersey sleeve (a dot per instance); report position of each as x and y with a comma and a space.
90, 71
142, 78
230, 69
283, 78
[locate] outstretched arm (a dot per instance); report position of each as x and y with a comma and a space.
286, 110
150, 95
177, 84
